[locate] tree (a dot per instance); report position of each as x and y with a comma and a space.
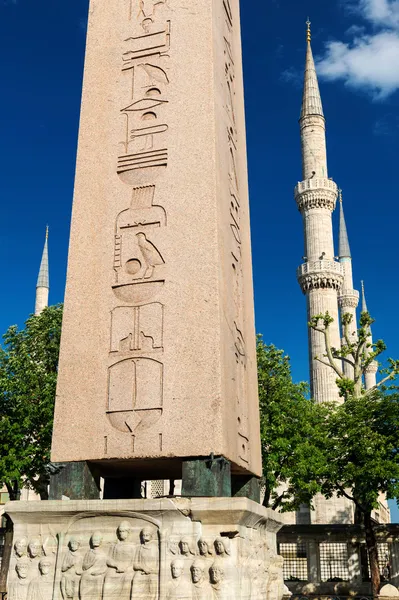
291, 433
28, 377
362, 433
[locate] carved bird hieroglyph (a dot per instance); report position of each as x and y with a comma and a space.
150, 254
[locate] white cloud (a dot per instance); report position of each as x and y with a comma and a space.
370, 60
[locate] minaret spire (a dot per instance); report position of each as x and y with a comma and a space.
311, 102
43, 282
344, 248
364, 303
348, 297
370, 377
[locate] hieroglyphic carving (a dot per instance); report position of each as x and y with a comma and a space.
145, 65
233, 217
137, 258
135, 393
137, 328
135, 384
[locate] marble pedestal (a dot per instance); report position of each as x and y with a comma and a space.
180, 548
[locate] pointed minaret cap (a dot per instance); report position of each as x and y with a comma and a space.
43, 279
311, 103
344, 248
364, 303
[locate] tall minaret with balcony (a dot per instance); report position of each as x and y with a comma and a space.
348, 298
370, 377
320, 276
43, 284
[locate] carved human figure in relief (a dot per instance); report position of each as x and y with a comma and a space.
204, 549
222, 547
146, 567
185, 548
21, 547
199, 576
94, 568
35, 551
179, 588
18, 587
41, 587
220, 588
71, 569
119, 577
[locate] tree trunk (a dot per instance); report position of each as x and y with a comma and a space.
371, 543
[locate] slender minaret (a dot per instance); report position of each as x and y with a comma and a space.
348, 298
321, 276
43, 284
370, 377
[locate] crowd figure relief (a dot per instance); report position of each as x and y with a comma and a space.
128, 567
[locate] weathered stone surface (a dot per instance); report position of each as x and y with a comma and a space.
158, 345
145, 550
389, 591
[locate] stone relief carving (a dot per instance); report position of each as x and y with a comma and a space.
200, 578
18, 587
186, 547
144, 117
179, 587
146, 567
41, 587
119, 577
205, 549
135, 393
121, 560
137, 328
21, 547
94, 568
137, 259
71, 570
221, 588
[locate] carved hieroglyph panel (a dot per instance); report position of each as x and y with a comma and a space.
135, 393
145, 69
137, 328
138, 261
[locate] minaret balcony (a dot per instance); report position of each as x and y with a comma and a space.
349, 299
320, 274
316, 193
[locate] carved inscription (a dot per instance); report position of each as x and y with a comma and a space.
145, 59
233, 215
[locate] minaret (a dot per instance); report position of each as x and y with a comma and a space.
320, 276
348, 298
43, 284
370, 377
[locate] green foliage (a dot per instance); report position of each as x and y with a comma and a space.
363, 449
28, 376
291, 433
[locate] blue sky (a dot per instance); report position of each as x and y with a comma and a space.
356, 43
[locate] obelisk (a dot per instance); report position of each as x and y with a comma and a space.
158, 344
157, 374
